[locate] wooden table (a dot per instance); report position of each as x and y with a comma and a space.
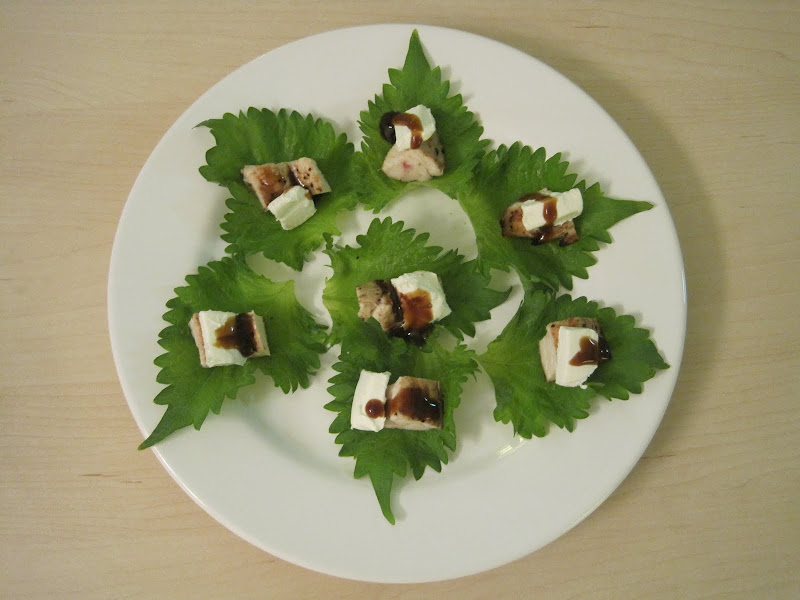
707, 91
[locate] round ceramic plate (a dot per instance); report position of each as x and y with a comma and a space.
267, 468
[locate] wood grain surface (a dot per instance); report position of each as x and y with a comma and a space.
708, 91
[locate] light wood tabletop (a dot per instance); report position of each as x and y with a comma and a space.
707, 91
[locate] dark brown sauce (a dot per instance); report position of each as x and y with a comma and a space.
388, 290
416, 403
374, 409
417, 309
271, 183
418, 337
550, 210
591, 352
605, 350
237, 333
387, 127
414, 124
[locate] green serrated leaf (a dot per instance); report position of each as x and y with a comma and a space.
390, 453
418, 83
506, 174
388, 250
261, 136
294, 338
512, 361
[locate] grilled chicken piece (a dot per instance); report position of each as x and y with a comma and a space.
268, 181
414, 403
415, 164
548, 345
197, 334
306, 172
512, 226
377, 299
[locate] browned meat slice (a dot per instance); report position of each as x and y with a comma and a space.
512, 226
197, 334
377, 299
415, 164
548, 345
307, 173
414, 403
268, 181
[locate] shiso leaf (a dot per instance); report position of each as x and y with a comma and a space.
388, 250
390, 453
261, 136
512, 361
295, 341
506, 174
417, 83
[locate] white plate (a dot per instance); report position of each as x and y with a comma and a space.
266, 467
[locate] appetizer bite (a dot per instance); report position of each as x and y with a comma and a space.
406, 306
287, 189
571, 350
226, 338
409, 403
417, 153
544, 216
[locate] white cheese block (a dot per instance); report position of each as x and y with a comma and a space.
429, 282
569, 205
403, 133
569, 344
293, 207
370, 386
210, 321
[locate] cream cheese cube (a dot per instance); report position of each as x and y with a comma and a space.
371, 387
569, 205
403, 133
293, 207
428, 282
569, 346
